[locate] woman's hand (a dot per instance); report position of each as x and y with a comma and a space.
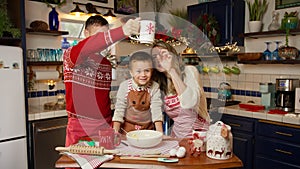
165, 59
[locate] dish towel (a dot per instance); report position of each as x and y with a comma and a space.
89, 161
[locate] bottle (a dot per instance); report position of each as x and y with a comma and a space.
53, 20
65, 44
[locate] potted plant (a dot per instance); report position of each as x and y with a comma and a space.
7, 29
257, 9
290, 20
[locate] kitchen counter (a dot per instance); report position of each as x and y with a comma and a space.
38, 113
237, 111
188, 162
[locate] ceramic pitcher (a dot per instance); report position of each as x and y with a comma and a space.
219, 141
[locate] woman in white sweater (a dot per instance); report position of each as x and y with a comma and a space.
184, 97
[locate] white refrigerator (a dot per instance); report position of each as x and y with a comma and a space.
13, 147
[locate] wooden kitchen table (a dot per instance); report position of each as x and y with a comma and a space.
188, 162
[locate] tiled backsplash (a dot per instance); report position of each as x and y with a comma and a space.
245, 86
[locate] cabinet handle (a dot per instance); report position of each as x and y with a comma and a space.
234, 124
51, 128
284, 152
284, 134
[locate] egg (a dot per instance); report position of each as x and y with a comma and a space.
173, 152
181, 152
182, 149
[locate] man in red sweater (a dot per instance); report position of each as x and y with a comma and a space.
87, 78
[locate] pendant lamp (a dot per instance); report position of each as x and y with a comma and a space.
91, 9
77, 11
109, 16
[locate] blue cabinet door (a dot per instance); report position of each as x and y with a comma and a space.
262, 162
243, 148
243, 137
194, 11
222, 10
230, 15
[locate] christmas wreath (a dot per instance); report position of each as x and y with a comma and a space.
209, 26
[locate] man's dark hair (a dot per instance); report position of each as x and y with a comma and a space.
96, 20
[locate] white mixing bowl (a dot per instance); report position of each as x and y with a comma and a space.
144, 138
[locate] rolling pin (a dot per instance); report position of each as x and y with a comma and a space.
90, 150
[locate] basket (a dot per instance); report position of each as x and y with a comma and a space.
249, 56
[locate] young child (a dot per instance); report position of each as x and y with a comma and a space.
139, 104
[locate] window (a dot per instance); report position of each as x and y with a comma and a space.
75, 28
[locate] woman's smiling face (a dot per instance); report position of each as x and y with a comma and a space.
141, 71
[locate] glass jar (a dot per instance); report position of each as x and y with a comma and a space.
274, 25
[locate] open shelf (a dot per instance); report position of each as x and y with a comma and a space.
46, 32
270, 62
256, 35
222, 57
42, 63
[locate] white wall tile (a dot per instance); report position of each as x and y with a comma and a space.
235, 78
249, 77
257, 78
241, 77
248, 86
266, 78
241, 85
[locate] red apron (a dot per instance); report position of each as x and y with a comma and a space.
185, 120
83, 127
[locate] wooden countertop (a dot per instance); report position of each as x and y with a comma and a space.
188, 162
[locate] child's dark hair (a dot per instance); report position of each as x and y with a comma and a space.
95, 20
140, 56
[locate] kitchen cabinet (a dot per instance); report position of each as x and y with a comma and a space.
243, 131
277, 145
230, 15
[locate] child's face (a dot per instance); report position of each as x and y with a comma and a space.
141, 72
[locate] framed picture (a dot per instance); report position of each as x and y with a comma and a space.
280, 4
102, 1
126, 7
